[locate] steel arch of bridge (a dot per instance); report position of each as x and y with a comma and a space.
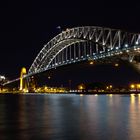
81, 43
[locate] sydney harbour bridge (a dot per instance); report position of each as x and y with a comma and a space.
85, 43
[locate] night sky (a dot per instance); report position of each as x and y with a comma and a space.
26, 27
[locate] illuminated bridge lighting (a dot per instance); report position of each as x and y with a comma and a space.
79, 44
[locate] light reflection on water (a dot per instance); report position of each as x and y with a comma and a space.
134, 116
70, 117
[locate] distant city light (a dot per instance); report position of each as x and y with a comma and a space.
135, 86
2, 78
138, 86
91, 62
116, 65
132, 86
58, 27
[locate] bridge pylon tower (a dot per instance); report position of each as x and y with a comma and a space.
23, 81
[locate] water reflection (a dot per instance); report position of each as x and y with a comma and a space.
134, 115
110, 95
132, 98
69, 117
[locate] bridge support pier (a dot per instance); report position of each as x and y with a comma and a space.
23, 81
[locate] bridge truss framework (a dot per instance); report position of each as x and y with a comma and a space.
82, 43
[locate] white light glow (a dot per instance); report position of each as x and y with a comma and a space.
137, 42
126, 45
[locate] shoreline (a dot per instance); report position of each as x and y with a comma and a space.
69, 93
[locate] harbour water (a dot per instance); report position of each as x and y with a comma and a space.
69, 117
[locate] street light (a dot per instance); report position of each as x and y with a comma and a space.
132, 86
81, 87
107, 87
138, 86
